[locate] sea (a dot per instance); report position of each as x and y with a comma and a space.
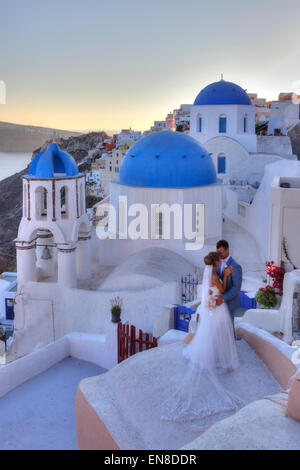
11, 163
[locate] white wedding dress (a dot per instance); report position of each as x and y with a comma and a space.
200, 397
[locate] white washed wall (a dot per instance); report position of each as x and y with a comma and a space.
235, 124
112, 252
46, 312
256, 217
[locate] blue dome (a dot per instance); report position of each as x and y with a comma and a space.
167, 159
222, 92
52, 163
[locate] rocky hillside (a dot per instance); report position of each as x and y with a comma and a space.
11, 192
22, 138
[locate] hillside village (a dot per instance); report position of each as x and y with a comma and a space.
81, 250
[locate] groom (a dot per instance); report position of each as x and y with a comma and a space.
234, 280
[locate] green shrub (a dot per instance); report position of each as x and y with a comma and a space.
266, 296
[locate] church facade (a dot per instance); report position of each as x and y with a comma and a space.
166, 175
223, 120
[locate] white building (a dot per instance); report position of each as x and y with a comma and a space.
93, 177
272, 213
111, 169
279, 115
284, 225
262, 110
158, 126
284, 114
128, 135
223, 120
8, 289
165, 169
182, 115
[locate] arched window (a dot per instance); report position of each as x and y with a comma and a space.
82, 205
41, 195
222, 124
156, 222
222, 163
64, 202
199, 124
25, 200
160, 224
245, 123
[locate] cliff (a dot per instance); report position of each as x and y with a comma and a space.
22, 138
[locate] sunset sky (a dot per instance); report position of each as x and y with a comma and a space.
97, 64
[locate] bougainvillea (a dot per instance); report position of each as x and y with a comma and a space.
277, 275
266, 296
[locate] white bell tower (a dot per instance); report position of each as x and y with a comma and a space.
54, 240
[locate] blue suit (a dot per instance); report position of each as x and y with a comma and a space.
233, 286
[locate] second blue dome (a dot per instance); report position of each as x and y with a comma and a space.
222, 92
52, 163
167, 159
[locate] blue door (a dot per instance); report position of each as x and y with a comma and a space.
182, 317
9, 309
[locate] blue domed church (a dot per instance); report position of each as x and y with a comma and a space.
168, 196
223, 120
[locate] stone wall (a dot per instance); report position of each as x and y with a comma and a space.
296, 314
278, 145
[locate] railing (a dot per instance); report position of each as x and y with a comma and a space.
188, 288
129, 344
182, 317
183, 314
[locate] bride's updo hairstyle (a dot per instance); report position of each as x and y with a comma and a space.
211, 258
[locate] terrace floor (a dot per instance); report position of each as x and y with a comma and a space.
40, 414
130, 399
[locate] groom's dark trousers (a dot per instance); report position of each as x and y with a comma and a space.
233, 286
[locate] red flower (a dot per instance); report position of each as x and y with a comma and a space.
277, 274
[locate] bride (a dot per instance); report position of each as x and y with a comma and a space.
201, 397
213, 347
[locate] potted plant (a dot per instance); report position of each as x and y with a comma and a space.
116, 309
266, 297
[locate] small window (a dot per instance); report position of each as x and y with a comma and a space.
222, 164
222, 124
245, 124
200, 124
